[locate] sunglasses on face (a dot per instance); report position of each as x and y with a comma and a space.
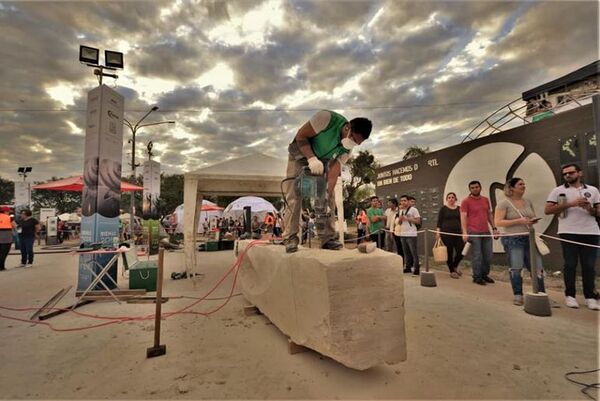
569, 172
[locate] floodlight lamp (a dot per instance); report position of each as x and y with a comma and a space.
113, 59
154, 108
21, 170
28, 169
89, 55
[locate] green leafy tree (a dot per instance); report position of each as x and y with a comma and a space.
415, 151
126, 196
171, 193
7, 191
362, 171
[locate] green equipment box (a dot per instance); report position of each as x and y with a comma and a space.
143, 275
212, 246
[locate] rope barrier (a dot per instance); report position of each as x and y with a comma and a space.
234, 268
481, 235
569, 241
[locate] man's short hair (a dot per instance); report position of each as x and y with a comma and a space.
575, 165
411, 198
374, 197
362, 126
26, 212
404, 196
394, 201
474, 182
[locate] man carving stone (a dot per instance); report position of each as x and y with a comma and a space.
326, 138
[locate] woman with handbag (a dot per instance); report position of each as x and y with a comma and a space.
515, 214
449, 222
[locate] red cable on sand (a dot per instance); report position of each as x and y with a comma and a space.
120, 319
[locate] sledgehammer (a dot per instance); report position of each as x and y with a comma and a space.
367, 247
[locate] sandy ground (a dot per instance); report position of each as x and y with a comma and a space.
464, 342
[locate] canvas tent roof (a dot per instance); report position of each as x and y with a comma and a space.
241, 176
253, 174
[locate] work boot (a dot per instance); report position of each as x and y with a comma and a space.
332, 244
291, 244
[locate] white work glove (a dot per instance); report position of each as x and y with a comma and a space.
316, 166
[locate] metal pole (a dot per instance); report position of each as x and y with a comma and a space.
131, 217
596, 113
426, 245
533, 260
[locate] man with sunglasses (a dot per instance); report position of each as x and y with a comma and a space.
577, 205
327, 137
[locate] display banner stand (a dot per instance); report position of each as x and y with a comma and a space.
149, 210
101, 197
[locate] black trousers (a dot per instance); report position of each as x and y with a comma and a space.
360, 233
455, 245
4, 250
378, 238
587, 256
399, 247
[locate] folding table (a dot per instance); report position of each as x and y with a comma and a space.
103, 272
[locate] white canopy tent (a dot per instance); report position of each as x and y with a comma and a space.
208, 215
70, 217
255, 174
259, 207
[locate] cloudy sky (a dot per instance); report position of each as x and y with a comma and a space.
242, 76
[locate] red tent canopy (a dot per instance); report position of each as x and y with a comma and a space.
76, 184
211, 208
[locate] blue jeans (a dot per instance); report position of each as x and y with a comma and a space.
26, 249
481, 256
517, 253
409, 248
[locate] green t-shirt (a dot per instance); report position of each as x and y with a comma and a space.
376, 225
327, 145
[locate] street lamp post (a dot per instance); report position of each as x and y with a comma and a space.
134, 128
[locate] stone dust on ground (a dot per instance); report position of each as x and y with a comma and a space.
464, 341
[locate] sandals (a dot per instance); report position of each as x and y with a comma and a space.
454, 275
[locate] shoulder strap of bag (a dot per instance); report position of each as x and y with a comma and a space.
404, 213
513, 206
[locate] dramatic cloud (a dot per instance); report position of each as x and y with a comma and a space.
243, 76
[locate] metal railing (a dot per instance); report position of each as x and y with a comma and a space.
517, 111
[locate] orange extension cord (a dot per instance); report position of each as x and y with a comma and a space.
121, 319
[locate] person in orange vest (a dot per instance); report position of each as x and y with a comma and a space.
269, 222
7, 229
361, 225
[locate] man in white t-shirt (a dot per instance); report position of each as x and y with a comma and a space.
408, 218
577, 206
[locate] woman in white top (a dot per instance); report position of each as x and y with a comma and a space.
515, 214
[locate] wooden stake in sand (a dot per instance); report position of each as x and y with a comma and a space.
157, 349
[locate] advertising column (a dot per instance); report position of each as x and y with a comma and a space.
101, 198
48, 218
149, 210
22, 196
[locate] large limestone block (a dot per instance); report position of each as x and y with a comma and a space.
343, 304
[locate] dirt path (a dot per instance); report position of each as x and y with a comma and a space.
464, 342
